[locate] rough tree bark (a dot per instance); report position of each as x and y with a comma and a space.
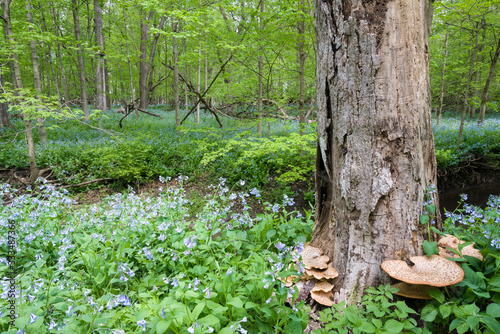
375, 155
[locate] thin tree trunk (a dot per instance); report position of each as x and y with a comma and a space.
441, 93
4, 108
477, 79
143, 70
81, 64
36, 71
185, 76
484, 95
100, 81
199, 79
19, 85
128, 59
467, 89
176, 76
302, 57
259, 97
49, 55
59, 56
375, 153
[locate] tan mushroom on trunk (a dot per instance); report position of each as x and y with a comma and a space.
452, 242
434, 270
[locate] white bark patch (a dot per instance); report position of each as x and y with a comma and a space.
382, 180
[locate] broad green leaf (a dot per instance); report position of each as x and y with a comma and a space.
294, 327
429, 313
472, 322
437, 294
162, 326
366, 327
377, 323
493, 310
445, 311
210, 320
236, 302
430, 248
393, 326
424, 219
492, 324
197, 310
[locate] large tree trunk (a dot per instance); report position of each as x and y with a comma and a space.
81, 65
36, 72
375, 154
484, 95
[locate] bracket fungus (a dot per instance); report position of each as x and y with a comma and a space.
452, 242
415, 291
318, 270
328, 273
313, 257
434, 270
324, 298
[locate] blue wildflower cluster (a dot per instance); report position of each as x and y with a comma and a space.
133, 263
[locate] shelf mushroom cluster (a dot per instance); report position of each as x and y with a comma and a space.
428, 273
317, 266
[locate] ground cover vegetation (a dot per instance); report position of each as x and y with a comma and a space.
134, 264
201, 262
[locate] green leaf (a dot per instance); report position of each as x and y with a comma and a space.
236, 302
445, 311
424, 219
430, 248
393, 326
270, 234
492, 324
197, 310
431, 208
366, 327
294, 327
495, 280
437, 294
215, 307
210, 320
162, 326
493, 310
429, 313
377, 323
459, 325
472, 322
472, 279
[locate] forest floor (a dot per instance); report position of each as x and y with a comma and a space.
475, 178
